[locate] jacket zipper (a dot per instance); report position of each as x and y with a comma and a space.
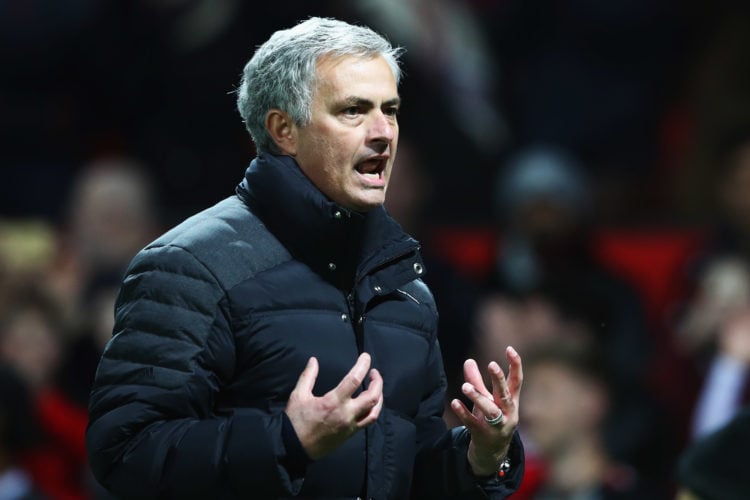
357, 323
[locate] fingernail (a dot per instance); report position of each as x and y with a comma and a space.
467, 388
512, 351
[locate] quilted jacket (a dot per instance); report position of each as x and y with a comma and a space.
216, 320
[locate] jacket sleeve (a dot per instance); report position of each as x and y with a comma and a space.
153, 430
442, 468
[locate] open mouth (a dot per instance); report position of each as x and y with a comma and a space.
372, 169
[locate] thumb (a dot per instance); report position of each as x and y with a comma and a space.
306, 380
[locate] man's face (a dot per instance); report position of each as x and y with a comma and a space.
348, 148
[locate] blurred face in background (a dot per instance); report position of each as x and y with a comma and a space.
112, 213
32, 346
503, 321
559, 406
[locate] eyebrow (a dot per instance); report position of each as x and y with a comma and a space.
361, 101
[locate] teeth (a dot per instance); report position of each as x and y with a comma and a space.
362, 169
370, 167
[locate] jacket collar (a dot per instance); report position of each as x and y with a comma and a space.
339, 244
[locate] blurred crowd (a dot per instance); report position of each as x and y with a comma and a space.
578, 174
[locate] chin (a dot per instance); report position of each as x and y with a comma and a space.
373, 204
366, 203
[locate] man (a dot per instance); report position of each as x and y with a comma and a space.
282, 343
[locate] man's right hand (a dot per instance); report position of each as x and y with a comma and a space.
323, 423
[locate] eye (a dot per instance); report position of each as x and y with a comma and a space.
351, 111
391, 111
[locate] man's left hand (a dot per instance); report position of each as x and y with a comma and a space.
491, 434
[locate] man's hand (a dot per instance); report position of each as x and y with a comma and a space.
323, 423
489, 443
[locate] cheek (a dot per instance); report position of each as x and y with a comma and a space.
328, 151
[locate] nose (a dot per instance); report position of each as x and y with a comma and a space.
383, 128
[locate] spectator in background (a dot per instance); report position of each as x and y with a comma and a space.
32, 343
56, 312
545, 221
714, 335
30, 336
567, 401
17, 435
633, 431
547, 275
711, 333
111, 214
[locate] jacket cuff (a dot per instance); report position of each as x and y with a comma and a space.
256, 453
508, 480
494, 487
296, 460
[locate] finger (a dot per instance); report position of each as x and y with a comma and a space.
368, 399
473, 376
463, 414
372, 415
485, 405
376, 383
500, 391
307, 378
515, 373
353, 380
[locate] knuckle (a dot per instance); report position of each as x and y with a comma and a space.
354, 380
328, 405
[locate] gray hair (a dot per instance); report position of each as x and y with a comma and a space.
281, 73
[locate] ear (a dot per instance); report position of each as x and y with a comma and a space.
282, 130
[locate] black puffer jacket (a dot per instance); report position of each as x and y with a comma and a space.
217, 319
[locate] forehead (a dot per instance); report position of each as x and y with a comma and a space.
343, 76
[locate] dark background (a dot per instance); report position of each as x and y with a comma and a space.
640, 91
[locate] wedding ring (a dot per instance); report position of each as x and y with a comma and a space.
495, 421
